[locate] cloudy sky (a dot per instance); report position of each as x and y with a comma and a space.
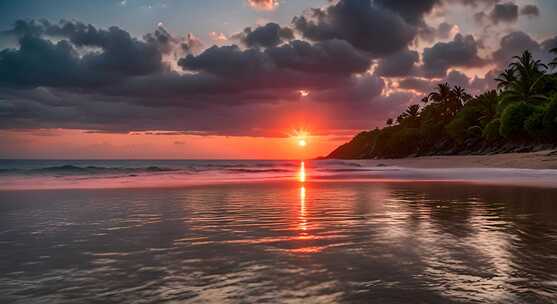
237, 78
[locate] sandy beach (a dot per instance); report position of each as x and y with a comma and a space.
534, 160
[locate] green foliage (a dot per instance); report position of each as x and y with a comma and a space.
491, 130
451, 120
403, 142
457, 129
534, 123
360, 146
467, 118
550, 117
524, 80
504, 102
381, 147
411, 117
513, 118
474, 132
487, 106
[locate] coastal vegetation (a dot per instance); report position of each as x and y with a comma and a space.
519, 116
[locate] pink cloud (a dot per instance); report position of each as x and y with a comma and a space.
266, 5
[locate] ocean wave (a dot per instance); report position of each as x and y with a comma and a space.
73, 169
241, 170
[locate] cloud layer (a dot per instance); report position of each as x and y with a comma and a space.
359, 61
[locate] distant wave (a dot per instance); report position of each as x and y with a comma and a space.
72, 169
260, 170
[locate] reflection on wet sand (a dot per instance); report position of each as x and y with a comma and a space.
304, 237
303, 219
287, 242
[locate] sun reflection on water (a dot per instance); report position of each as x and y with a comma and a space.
304, 236
302, 179
303, 219
302, 173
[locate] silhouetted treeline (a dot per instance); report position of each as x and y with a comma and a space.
521, 115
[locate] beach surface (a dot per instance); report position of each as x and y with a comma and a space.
537, 169
533, 160
330, 231
292, 242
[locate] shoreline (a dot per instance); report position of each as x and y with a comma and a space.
534, 168
546, 159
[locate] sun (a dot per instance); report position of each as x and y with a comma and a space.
301, 138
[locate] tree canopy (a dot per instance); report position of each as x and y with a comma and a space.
521, 112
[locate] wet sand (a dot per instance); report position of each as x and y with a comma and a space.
280, 242
534, 160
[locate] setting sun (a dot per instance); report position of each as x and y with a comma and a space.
301, 138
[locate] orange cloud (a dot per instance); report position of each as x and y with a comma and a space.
218, 37
266, 5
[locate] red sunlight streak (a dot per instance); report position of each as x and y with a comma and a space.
302, 173
303, 220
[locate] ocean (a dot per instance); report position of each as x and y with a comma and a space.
95, 174
179, 231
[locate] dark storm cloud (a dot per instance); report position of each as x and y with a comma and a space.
228, 61
431, 34
530, 10
513, 44
549, 44
479, 85
416, 84
163, 40
461, 52
505, 12
267, 35
412, 11
358, 90
398, 64
456, 78
122, 54
475, 3
367, 26
331, 56
444, 29
75, 83
475, 86
74, 75
93, 112
41, 62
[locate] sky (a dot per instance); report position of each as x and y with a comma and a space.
235, 79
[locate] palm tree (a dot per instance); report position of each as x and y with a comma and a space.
505, 78
413, 111
525, 65
488, 106
459, 97
529, 73
443, 93
410, 117
448, 101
